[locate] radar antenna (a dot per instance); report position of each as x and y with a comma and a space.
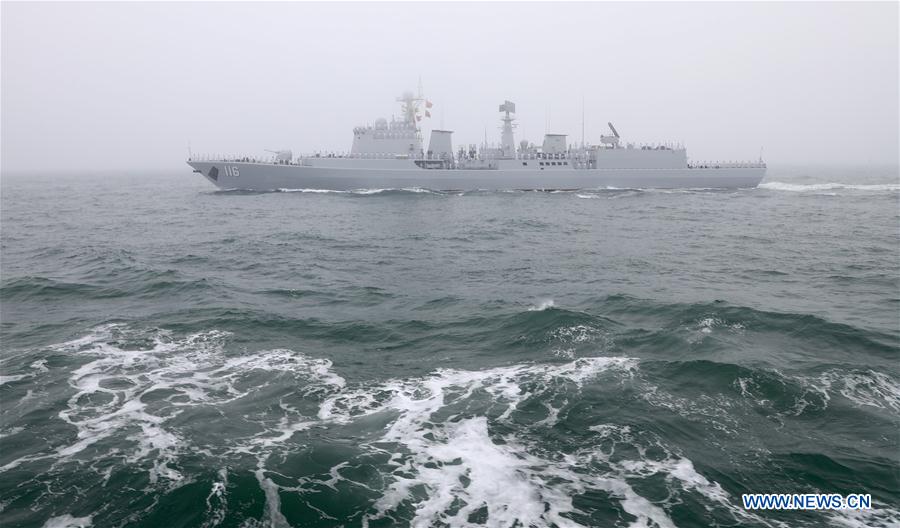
613, 140
611, 127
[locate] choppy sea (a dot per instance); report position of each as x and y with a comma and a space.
174, 356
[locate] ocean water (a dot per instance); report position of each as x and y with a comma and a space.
177, 356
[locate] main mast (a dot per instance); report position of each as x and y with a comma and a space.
507, 141
410, 107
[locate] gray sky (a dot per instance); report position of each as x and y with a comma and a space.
127, 86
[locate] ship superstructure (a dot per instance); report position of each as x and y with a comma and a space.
399, 137
391, 154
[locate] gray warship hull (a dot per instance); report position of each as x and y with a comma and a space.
392, 155
256, 176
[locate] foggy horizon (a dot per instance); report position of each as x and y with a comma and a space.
109, 87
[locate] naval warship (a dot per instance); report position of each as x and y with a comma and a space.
391, 155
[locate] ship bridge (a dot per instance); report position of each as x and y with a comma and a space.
395, 137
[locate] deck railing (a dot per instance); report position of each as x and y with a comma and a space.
576, 156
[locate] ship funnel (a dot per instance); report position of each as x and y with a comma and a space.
554, 144
440, 146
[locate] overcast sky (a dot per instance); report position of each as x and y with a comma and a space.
110, 86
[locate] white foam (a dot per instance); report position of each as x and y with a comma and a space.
498, 479
448, 460
40, 365
217, 501
96, 335
578, 334
281, 359
627, 194
284, 431
564, 353
417, 399
11, 431
275, 519
189, 371
458, 460
466, 465
879, 516
317, 191
678, 471
796, 187
713, 410
745, 385
708, 324
606, 430
645, 511
543, 305
67, 521
462, 464
865, 388
418, 190
9, 379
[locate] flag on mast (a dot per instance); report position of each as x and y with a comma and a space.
427, 113
428, 104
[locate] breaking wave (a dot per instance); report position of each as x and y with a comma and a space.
499, 446
403, 190
796, 187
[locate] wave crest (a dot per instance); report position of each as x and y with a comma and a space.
796, 187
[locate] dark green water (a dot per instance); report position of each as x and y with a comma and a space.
175, 356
